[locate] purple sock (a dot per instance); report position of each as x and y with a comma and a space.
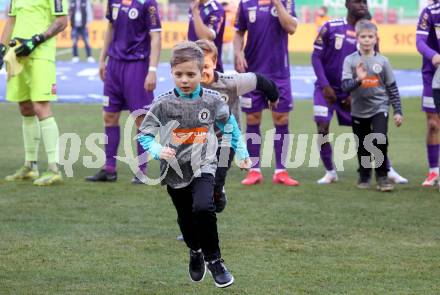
433, 154
253, 143
141, 157
281, 139
326, 153
111, 148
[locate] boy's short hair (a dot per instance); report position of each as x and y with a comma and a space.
187, 51
208, 47
365, 25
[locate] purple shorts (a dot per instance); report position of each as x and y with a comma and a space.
323, 112
428, 105
255, 101
124, 86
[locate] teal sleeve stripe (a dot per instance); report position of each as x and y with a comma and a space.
237, 142
150, 145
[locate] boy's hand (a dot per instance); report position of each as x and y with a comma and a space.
398, 120
245, 164
167, 153
361, 72
329, 94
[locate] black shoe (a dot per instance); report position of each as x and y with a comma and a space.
197, 268
103, 175
384, 184
363, 182
220, 200
136, 180
222, 277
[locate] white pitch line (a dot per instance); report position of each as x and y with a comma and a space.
63, 51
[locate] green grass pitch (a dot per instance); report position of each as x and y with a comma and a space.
82, 238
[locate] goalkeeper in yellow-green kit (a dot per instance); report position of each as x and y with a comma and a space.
30, 30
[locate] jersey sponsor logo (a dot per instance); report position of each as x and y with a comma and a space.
252, 14
204, 115
152, 12
263, 8
339, 41
274, 12
189, 135
115, 12
370, 82
264, 2
377, 68
424, 21
224, 97
133, 13
350, 33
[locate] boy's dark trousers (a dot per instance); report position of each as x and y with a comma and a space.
363, 127
196, 215
225, 156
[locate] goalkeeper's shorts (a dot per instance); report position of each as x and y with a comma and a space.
36, 82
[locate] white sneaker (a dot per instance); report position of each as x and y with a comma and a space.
329, 177
91, 60
396, 178
431, 180
75, 59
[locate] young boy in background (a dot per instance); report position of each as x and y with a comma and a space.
368, 77
188, 157
230, 87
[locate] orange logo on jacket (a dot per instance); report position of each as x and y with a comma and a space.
370, 82
189, 135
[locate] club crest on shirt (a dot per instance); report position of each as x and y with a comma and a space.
252, 14
115, 12
204, 115
377, 68
274, 12
224, 97
339, 41
437, 30
133, 13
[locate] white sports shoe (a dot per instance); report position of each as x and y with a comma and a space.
75, 59
329, 177
91, 60
396, 178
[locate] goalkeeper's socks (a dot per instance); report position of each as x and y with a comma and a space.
31, 137
50, 134
31, 164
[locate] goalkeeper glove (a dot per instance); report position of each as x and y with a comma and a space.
2, 54
26, 46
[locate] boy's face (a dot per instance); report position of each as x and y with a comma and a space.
367, 39
187, 76
208, 68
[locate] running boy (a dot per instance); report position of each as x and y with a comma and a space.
230, 88
188, 157
369, 78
